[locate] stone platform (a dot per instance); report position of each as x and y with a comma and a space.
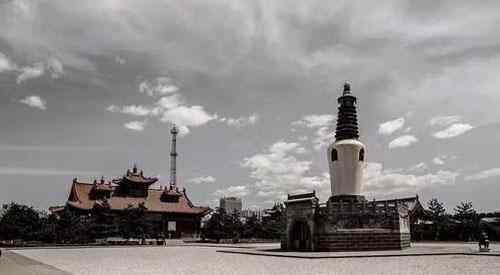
418, 249
345, 223
362, 240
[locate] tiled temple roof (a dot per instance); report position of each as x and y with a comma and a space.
80, 198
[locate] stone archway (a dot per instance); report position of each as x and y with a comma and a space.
300, 236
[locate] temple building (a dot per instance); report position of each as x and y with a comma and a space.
347, 221
168, 209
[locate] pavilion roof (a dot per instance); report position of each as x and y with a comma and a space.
135, 176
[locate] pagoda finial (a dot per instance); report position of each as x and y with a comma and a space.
135, 168
347, 88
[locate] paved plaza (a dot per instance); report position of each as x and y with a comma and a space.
181, 260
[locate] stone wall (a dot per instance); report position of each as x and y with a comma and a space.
353, 240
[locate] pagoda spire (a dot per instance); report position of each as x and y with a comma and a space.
347, 121
173, 156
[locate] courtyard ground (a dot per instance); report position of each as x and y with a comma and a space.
181, 260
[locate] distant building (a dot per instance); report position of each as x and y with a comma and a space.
168, 209
231, 204
247, 213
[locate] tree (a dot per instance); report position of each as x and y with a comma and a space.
468, 217
47, 233
133, 222
72, 228
102, 222
223, 226
274, 225
233, 226
19, 222
252, 228
213, 229
438, 217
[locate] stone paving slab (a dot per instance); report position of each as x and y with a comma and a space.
416, 250
15, 264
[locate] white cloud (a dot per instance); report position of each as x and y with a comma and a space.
419, 167
6, 64
183, 130
161, 86
453, 130
169, 108
278, 172
113, 108
402, 141
30, 72
135, 125
389, 127
232, 191
323, 135
187, 116
169, 102
313, 121
55, 67
24, 171
136, 110
444, 120
494, 172
380, 182
437, 161
35, 102
200, 180
52, 65
241, 121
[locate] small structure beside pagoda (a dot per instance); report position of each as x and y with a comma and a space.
167, 210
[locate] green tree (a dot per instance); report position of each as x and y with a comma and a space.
72, 228
468, 218
102, 222
252, 228
133, 222
233, 226
438, 217
274, 225
213, 229
19, 222
47, 233
223, 226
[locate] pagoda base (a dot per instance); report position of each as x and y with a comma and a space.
362, 240
346, 223
347, 198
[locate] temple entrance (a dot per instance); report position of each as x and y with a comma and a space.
300, 236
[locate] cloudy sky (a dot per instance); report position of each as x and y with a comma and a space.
89, 88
